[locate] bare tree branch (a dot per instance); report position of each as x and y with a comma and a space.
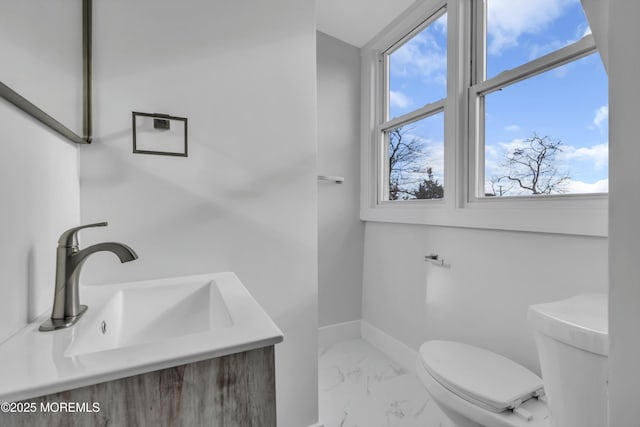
407, 168
533, 168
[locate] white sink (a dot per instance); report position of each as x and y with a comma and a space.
142, 314
147, 325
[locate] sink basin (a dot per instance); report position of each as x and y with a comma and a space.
136, 327
144, 314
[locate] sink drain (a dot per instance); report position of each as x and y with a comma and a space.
103, 327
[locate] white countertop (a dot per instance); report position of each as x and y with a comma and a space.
34, 363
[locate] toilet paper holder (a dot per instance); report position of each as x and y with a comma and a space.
436, 260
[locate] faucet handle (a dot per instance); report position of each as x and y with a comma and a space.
69, 238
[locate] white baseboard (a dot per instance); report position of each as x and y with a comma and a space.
396, 350
331, 334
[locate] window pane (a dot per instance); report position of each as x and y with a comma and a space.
519, 31
418, 70
416, 159
549, 134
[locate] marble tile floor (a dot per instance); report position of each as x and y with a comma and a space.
359, 386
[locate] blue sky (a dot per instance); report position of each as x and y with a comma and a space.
569, 103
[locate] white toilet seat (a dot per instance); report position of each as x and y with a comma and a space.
487, 379
480, 391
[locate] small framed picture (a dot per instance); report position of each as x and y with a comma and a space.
161, 134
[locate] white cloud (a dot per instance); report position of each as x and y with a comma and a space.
512, 128
601, 186
492, 160
538, 50
435, 158
514, 144
441, 24
399, 100
509, 19
601, 118
596, 154
421, 56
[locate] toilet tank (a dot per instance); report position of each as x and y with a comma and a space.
572, 337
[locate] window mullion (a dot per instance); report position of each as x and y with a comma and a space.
479, 41
475, 125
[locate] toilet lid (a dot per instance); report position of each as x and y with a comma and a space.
479, 376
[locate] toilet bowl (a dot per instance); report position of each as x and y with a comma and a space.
476, 387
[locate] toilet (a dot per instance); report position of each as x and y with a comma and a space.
476, 387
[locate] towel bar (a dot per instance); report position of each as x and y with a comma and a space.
336, 179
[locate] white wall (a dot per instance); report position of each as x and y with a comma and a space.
41, 51
624, 211
482, 298
40, 199
340, 231
38, 169
243, 73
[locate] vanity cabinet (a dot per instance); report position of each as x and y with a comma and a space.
228, 391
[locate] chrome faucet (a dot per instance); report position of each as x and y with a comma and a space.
69, 259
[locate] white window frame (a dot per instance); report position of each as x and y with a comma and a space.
386, 124
424, 112
578, 214
374, 171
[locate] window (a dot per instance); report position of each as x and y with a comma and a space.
542, 113
412, 128
495, 112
